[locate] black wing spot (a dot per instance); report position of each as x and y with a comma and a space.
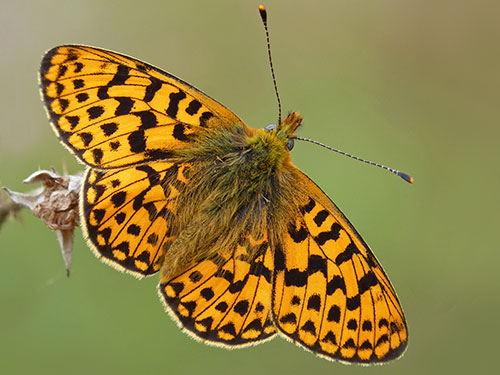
62, 71
309, 327
78, 84
321, 217
78, 67
242, 307
178, 132
86, 138
221, 306
309, 206
317, 263
63, 103
236, 287
352, 324
383, 339
73, 121
297, 234
259, 307
152, 239
366, 345
144, 257
205, 116
207, 323
95, 112
118, 198
255, 325
347, 254
195, 276
148, 119
120, 218
193, 107
334, 284
190, 306
334, 314
137, 141
114, 145
295, 277
330, 337
367, 281
59, 88
124, 107
97, 155
102, 92
105, 234
229, 329
289, 318
98, 214
124, 247
177, 287
82, 97
122, 74
134, 229
173, 105
109, 128
207, 293
383, 323
152, 89
314, 302
349, 344
353, 303
332, 234
367, 326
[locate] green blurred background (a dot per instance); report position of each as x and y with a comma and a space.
411, 84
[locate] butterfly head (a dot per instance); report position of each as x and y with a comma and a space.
268, 149
286, 130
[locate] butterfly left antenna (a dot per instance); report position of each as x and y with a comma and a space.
263, 15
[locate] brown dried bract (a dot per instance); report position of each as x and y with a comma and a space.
55, 203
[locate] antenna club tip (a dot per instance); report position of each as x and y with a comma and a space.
263, 13
406, 177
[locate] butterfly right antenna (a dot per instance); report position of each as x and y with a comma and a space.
403, 175
263, 15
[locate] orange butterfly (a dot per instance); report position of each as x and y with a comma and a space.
246, 244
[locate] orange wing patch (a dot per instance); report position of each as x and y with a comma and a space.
128, 214
225, 300
113, 111
330, 294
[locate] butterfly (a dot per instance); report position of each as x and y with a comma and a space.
247, 246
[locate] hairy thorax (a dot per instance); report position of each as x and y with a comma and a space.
233, 190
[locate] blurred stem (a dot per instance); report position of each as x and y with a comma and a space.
8, 208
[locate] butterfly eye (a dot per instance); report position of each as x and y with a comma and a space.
290, 144
270, 127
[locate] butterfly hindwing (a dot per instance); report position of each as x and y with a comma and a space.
330, 294
113, 111
128, 215
225, 300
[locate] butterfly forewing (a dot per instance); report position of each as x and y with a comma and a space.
330, 293
112, 111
